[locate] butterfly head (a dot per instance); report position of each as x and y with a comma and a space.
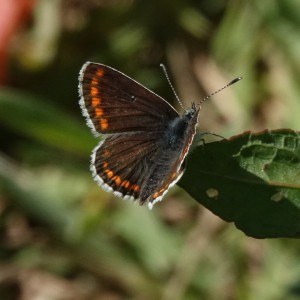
192, 112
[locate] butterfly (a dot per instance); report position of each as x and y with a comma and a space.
145, 140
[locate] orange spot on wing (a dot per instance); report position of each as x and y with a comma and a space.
100, 72
94, 81
94, 91
117, 180
99, 112
103, 124
126, 184
95, 84
174, 175
96, 101
184, 152
156, 195
161, 191
109, 173
106, 153
135, 187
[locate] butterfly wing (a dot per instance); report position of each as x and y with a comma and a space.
114, 103
141, 165
121, 163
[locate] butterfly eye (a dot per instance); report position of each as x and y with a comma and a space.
189, 113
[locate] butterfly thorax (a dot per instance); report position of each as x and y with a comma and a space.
178, 129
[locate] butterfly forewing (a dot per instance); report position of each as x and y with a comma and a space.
115, 103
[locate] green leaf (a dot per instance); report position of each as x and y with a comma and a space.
252, 180
32, 116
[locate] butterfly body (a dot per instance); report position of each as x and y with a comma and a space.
146, 140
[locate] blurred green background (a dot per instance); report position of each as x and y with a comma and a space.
64, 238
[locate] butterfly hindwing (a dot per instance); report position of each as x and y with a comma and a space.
121, 163
128, 165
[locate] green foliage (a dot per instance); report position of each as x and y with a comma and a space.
35, 118
61, 234
252, 180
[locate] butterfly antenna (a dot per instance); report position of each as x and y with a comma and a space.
224, 87
169, 81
